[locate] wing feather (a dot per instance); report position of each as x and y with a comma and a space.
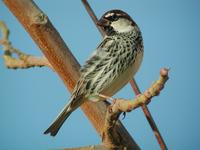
94, 66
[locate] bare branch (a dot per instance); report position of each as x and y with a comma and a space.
149, 118
93, 16
27, 62
127, 106
122, 105
23, 60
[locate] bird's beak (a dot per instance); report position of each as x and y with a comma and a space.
103, 22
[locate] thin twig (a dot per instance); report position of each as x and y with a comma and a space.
93, 16
23, 60
149, 117
134, 86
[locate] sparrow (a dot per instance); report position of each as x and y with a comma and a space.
112, 65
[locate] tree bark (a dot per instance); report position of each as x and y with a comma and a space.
62, 60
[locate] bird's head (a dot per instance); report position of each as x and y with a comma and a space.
116, 21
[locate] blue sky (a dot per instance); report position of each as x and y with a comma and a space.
31, 98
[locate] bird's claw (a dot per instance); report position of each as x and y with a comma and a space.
124, 115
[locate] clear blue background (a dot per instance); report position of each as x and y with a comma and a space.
31, 98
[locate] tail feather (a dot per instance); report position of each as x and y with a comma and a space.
56, 125
74, 103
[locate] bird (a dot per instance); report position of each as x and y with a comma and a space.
110, 67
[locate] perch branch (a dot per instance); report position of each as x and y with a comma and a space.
133, 85
122, 105
60, 57
149, 118
23, 60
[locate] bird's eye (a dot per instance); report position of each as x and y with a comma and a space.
114, 17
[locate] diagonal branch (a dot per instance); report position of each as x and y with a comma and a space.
149, 117
23, 60
133, 85
93, 16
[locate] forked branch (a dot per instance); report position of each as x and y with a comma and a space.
22, 60
122, 105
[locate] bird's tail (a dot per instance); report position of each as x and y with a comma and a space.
65, 113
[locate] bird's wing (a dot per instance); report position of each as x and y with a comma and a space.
99, 55
93, 66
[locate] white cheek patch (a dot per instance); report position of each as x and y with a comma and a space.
122, 25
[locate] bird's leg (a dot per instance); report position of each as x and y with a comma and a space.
109, 98
106, 97
113, 102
